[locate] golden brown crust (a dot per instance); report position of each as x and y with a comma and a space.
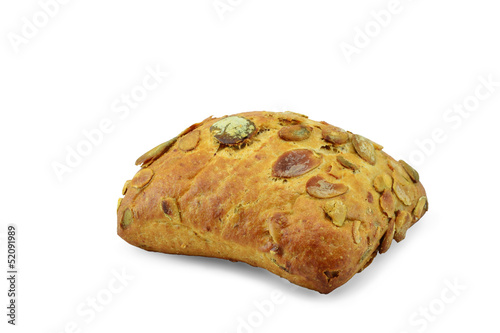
305, 200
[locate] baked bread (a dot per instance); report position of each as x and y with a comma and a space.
303, 199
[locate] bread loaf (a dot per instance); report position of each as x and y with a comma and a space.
303, 199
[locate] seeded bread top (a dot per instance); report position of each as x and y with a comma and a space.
306, 200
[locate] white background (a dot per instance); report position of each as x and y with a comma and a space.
70, 74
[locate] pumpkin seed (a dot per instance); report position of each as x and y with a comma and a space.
420, 208
335, 135
337, 211
320, 188
382, 182
411, 172
356, 235
404, 190
346, 163
388, 237
125, 187
403, 222
295, 163
189, 141
295, 132
364, 148
142, 178
153, 154
127, 218
233, 130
